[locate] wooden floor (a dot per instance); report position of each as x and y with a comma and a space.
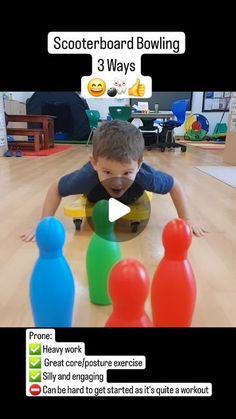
24, 182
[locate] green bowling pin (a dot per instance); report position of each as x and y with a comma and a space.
103, 252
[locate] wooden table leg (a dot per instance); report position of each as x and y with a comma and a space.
48, 128
37, 138
51, 131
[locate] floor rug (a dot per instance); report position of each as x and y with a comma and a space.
49, 152
226, 174
207, 145
210, 146
200, 142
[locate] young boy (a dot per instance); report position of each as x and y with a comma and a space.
116, 162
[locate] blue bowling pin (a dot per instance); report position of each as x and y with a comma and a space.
52, 287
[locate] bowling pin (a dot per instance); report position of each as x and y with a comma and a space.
103, 252
51, 285
123, 85
173, 292
128, 288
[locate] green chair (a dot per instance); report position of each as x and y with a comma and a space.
93, 117
122, 113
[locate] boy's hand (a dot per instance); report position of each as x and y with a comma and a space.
29, 236
197, 231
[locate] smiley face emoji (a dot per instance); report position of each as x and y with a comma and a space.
96, 87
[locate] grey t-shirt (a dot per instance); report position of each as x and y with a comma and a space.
85, 181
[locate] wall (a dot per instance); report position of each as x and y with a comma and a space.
21, 96
213, 117
102, 106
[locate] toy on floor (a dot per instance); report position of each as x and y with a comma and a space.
124, 282
197, 127
52, 287
102, 253
173, 293
82, 208
129, 288
219, 133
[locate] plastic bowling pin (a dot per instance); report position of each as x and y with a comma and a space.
52, 286
103, 252
128, 288
173, 292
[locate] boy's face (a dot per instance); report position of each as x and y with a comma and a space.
117, 177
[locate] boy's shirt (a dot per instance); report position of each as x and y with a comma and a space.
85, 181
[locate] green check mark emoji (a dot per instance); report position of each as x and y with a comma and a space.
35, 376
35, 348
35, 362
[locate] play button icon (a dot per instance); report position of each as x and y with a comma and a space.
117, 210
125, 212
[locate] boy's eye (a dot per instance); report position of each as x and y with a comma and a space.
127, 173
107, 172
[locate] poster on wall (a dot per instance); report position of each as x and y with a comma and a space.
216, 101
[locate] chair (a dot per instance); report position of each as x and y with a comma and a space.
150, 133
122, 113
166, 138
93, 117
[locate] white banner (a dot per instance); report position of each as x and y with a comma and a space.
116, 59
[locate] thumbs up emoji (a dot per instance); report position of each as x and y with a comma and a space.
137, 89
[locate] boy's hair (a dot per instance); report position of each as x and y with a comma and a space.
118, 140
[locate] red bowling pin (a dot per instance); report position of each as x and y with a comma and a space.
128, 288
173, 292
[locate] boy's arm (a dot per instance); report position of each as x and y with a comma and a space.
181, 204
51, 203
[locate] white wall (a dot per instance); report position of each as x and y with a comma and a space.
21, 96
102, 106
213, 117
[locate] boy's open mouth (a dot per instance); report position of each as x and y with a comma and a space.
116, 191
116, 187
